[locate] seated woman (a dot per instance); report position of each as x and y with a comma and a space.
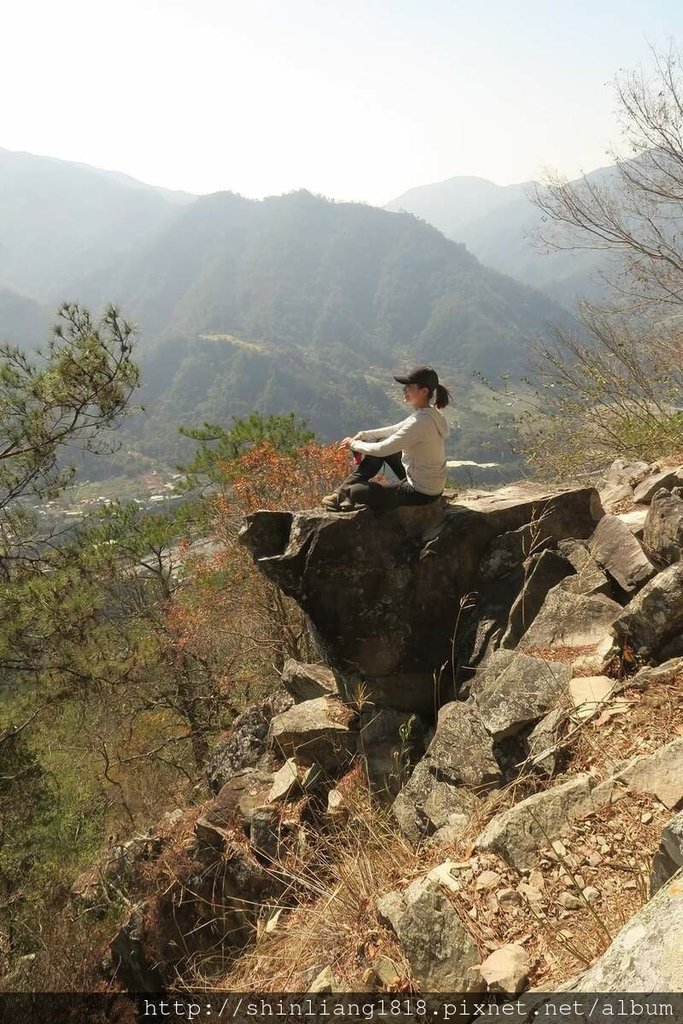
413, 448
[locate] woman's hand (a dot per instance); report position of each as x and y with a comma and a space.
345, 443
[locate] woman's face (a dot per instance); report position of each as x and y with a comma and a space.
415, 396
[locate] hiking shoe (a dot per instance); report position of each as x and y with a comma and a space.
331, 502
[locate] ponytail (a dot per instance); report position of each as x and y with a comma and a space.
443, 396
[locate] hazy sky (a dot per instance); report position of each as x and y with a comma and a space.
355, 99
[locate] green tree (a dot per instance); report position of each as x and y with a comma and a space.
218, 444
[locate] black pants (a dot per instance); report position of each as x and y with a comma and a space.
360, 489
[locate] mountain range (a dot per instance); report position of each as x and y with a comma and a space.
293, 302
500, 225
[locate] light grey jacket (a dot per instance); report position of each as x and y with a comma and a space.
420, 437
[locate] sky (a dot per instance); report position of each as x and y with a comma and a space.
351, 99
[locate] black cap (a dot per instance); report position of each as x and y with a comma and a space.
423, 376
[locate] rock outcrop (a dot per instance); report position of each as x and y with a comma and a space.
383, 592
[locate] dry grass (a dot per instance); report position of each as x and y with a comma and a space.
336, 923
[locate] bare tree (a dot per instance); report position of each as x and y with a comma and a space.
634, 212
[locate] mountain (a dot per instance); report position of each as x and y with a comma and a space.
60, 220
498, 223
297, 302
292, 302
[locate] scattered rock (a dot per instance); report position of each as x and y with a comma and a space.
336, 804
517, 833
512, 690
659, 773
655, 615
388, 972
669, 857
436, 944
614, 547
232, 808
569, 901
506, 969
306, 681
487, 879
320, 731
663, 530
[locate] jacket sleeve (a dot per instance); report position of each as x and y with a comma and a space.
378, 432
407, 433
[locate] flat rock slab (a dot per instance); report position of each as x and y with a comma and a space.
306, 681
441, 952
668, 478
614, 547
634, 519
321, 731
512, 690
587, 692
571, 620
655, 615
517, 834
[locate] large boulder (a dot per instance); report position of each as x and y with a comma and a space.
382, 592
323, 731
442, 954
663, 530
513, 690
654, 617
614, 547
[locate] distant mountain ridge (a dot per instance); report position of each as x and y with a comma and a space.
293, 302
59, 220
498, 223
